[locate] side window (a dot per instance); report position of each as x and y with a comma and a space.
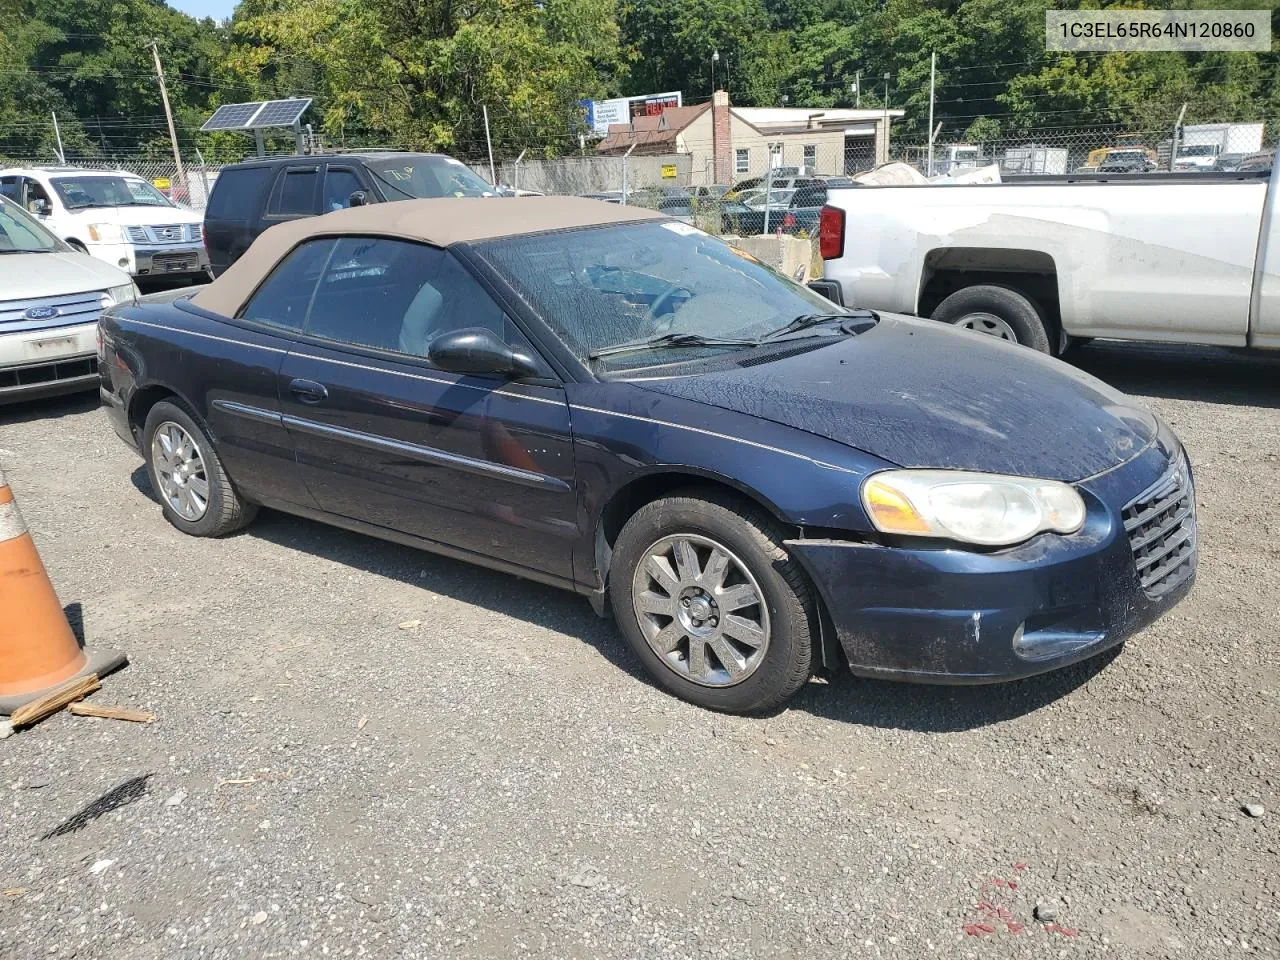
36, 199
295, 193
9, 187
237, 193
284, 296
809, 197
399, 296
339, 184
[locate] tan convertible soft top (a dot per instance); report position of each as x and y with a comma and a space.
437, 222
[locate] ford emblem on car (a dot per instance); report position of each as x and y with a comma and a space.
42, 313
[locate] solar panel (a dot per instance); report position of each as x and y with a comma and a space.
279, 113
232, 116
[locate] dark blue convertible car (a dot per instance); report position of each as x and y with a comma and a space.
757, 482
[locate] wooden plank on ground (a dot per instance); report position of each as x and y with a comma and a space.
54, 700
85, 708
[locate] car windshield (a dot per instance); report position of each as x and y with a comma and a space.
414, 176
1198, 150
21, 233
604, 286
79, 193
777, 198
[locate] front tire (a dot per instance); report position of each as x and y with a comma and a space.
194, 490
712, 604
996, 311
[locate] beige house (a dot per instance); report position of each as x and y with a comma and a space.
727, 144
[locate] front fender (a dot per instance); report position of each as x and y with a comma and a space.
624, 435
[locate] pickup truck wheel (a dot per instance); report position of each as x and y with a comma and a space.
712, 604
195, 492
996, 311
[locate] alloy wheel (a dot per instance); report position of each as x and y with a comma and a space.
701, 610
180, 469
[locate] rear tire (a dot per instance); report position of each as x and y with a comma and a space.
996, 311
195, 492
745, 642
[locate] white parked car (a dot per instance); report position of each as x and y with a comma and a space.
50, 298
115, 216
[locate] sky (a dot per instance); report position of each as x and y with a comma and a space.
218, 9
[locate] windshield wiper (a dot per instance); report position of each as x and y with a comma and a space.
807, 320
671, 340
803, 322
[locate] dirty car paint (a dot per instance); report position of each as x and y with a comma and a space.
922, 395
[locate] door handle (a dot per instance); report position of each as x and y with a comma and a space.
308, 391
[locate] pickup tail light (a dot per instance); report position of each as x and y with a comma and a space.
789, 221
831, 233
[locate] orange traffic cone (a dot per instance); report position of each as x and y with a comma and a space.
37, 648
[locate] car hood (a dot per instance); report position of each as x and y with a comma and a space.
137, 216
24, 276
920, 394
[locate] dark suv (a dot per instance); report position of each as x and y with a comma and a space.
251, 196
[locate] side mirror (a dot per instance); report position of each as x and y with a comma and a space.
40, 208
477, 350
357, 199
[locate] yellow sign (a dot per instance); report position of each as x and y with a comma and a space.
161, 183
668, 171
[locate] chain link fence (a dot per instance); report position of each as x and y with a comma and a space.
778, 184
1205, 147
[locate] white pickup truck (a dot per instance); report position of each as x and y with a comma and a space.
1182, 258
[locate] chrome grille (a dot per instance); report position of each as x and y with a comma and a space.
1161, 524
164, 233
175, 263
44, 313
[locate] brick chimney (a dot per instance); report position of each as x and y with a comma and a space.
721, 137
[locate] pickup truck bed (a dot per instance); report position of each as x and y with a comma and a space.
1157, 257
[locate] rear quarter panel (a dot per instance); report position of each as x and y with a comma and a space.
173, 347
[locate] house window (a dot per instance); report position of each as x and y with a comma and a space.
775, 155
741, 161
810, 154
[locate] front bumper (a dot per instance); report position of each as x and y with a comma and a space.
959, 616
187, 259
49, 362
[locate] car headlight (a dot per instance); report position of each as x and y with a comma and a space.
105, 233
124, 293
981, 508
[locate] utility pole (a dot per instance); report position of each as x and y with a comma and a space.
715, 57
493, 174
857, 90
173, 134
1173, 146
933, 76
887, 75
62, 155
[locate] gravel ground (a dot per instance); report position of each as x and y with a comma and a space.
498, 781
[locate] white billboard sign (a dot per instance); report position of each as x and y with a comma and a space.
601, 113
